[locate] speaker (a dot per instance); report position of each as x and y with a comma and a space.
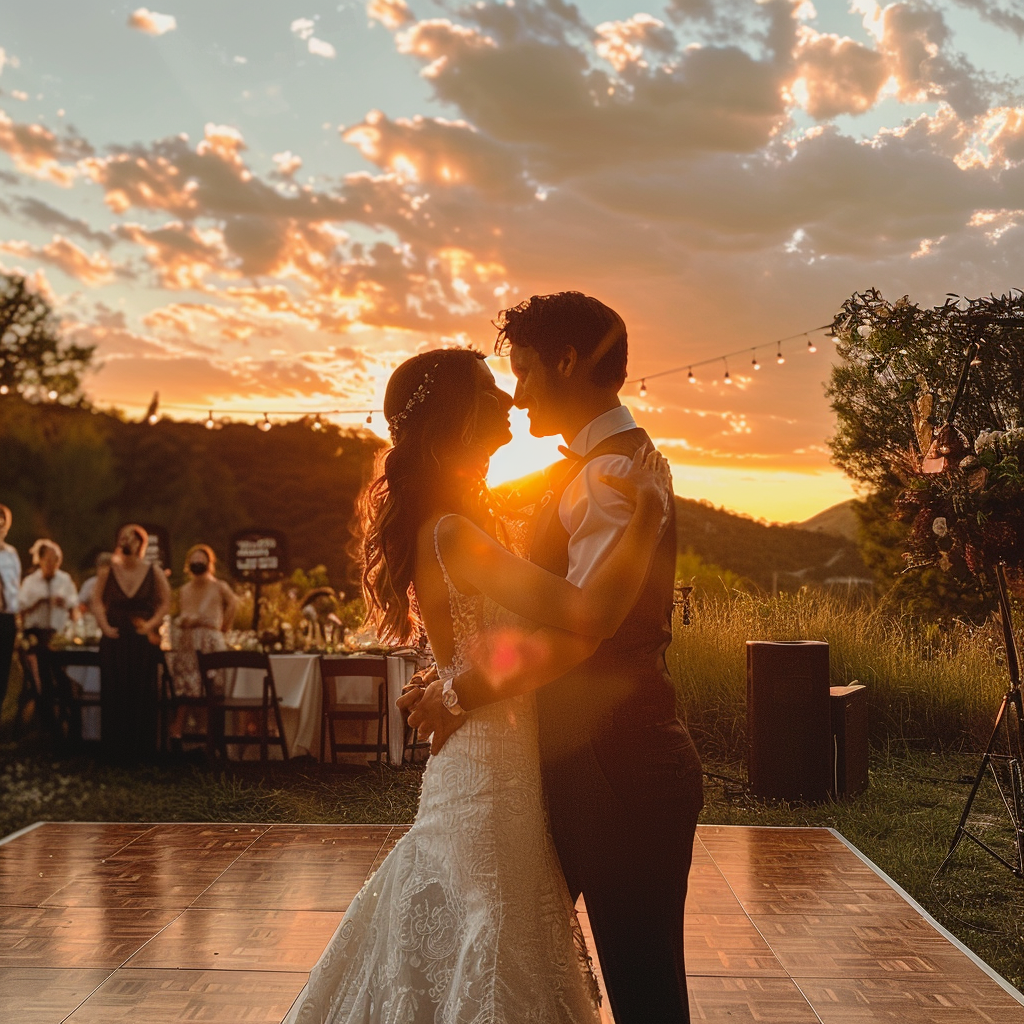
789, 749
849, 739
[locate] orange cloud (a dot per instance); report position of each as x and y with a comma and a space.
66, 256
151, 23
35, 151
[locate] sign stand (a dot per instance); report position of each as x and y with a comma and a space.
258, 556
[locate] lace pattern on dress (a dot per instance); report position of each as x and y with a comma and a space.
467, 920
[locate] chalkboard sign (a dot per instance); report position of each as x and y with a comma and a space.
259, 556
159, 547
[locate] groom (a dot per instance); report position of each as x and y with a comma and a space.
621, 776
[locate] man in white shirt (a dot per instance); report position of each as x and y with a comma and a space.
48, 595
10, 580
622, 779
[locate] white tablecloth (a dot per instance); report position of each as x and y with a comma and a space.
88, 676
299, 692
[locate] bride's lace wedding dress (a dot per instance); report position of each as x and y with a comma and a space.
468, 920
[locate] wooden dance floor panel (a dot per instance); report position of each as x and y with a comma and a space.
132, 924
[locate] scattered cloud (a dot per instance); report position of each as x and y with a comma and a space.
66, 256
152, 23
304, 29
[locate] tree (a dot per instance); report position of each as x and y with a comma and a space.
34, 360
892, 392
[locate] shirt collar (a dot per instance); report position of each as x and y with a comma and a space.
614, 421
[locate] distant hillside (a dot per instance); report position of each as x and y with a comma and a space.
838, 521
769, 556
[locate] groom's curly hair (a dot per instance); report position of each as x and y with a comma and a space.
433, 463
551, 323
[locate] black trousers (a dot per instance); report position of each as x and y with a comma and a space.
625, 841
8, 631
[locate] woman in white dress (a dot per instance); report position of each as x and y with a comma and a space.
468, 920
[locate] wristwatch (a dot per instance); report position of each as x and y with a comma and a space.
450, 699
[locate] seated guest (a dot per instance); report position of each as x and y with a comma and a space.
10, 581
130, 601
47, 599
206, 610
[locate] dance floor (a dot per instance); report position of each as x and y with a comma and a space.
101, 924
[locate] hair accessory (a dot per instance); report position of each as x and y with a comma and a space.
417, 397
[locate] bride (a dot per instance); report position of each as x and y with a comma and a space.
468, 920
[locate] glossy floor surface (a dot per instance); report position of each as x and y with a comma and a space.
221, 923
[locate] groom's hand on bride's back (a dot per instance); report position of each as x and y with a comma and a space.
430, 717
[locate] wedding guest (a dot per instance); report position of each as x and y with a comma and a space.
85, 594
47, 600
10, 581
206, 611
130, 601
48, 596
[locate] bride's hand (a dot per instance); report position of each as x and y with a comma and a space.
649, 479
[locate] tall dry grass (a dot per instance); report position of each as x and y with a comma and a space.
928, 686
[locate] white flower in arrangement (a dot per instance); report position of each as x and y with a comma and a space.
939, 527
988, 439
865, 330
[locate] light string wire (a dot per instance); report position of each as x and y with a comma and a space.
317, 414
724, 357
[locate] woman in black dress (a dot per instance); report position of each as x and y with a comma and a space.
130, 601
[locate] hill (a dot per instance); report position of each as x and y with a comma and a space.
837, 521
77, 475
770, 556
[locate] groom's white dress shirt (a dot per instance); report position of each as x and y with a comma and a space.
593, 513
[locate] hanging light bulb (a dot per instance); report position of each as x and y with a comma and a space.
318, 423
811, 347
779, 357
690, 377
753, 362
209, 424
152, 413
369, 418
643, 389
266, 424
726, 379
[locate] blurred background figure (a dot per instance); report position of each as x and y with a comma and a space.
85, 594
10, 581
47, 599
206, 610
130, 600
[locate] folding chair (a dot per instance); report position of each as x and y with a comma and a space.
333, 710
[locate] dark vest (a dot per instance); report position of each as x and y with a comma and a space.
620, 702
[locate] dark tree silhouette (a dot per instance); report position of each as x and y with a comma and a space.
34, 360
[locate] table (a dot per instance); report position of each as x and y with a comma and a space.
300, 694
88, 677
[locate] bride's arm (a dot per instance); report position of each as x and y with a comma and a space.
476, 562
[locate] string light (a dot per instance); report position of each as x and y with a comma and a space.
51, 395
265, 424
811, 347
318, 423
726, 379
4, 389
369, 418
688, 367
209, 424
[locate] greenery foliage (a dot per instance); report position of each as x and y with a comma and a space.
892, 393
75, 475
34, 360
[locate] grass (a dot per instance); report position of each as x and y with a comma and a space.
930, 687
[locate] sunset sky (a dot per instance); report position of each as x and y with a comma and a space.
263, 205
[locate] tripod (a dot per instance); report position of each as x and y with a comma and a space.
1010, 721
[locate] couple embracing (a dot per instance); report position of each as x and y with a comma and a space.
558, 764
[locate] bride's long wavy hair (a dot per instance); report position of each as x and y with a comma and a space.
434, 462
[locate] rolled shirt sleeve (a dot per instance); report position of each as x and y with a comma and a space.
594, 514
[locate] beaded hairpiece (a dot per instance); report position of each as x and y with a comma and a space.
417, 397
